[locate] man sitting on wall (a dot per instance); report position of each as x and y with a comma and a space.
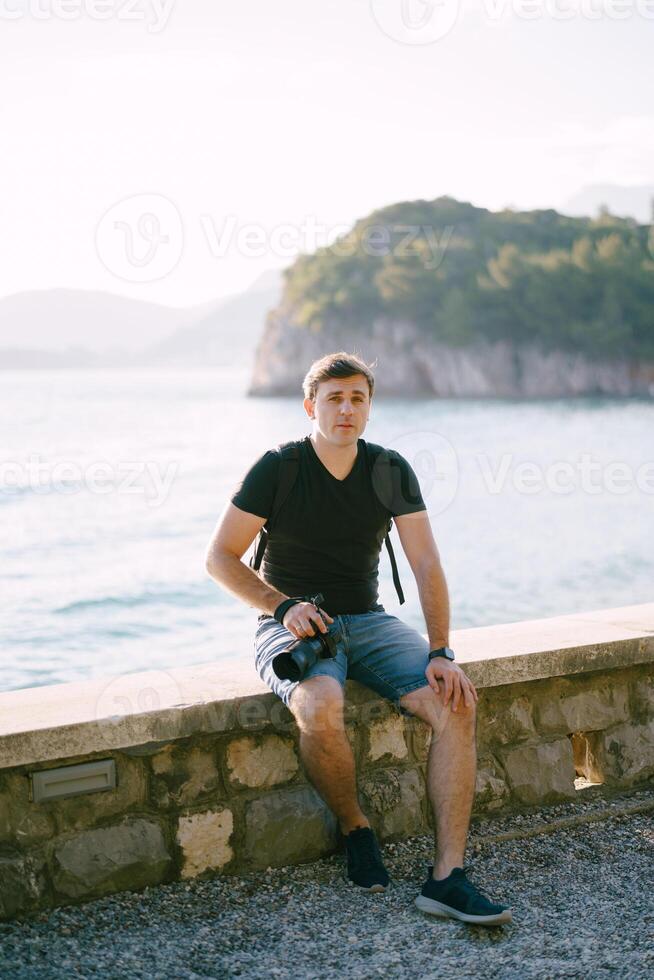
326, 538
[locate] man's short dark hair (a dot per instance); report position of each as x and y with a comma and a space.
337, 365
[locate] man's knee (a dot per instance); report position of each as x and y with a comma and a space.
427, 705
317, 704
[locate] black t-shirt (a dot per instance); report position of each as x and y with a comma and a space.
328, 533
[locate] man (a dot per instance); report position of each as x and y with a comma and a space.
326, 538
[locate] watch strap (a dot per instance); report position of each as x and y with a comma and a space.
283, 608
286, 604
442, 652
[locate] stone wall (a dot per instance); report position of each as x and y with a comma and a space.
221, 788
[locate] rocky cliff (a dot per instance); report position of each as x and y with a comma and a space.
408, 364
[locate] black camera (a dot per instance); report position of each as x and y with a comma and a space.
292, 663
294, 660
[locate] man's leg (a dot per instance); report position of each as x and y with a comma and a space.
451, 769
327, 757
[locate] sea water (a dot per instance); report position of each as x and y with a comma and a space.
111, 484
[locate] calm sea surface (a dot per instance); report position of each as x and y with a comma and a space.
111, 485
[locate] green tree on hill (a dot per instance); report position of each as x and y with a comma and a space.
461, 273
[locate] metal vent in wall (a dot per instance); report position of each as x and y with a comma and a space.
88, 777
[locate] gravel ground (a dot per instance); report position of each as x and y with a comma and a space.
578, 878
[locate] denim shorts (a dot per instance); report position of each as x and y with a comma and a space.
378, 650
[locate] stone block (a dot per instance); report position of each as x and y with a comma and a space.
182, 775
21, 821
491, 791
253, 713
366, 710
260, 762
145, 750
358, 695
353, 733
584, 760
288, 827
281, 718
128, 855
623, 755
542, 773
23, 883
386, 740
89, 809
205, 841
503, 720
568, 709
210, 717
642, 689
418, 735
393, 802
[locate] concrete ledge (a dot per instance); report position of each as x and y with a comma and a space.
115, 712
557, 647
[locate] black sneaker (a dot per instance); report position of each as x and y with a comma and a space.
364, 861
457, 898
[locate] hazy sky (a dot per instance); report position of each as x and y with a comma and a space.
297, 114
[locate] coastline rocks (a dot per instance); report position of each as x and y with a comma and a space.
408, 364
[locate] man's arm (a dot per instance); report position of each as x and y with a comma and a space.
233, 535
420, 548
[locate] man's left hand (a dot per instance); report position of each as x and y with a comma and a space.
442, 673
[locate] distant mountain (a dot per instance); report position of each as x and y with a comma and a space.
226, 335
82, 328
270, 279
627, 202
98, 322
72, 357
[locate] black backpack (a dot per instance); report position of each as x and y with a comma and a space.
289, 467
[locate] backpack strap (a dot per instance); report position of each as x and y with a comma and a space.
289, 465
379, 459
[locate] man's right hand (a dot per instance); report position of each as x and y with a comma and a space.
304, 618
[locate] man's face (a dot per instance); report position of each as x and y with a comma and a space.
340, 408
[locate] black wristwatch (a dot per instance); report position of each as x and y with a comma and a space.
442, 652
